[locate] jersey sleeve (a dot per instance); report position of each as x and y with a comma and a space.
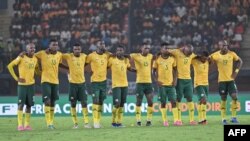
89, 58
39, 54
174, 63
235, 56
110, 62
155, 65
174, 52
128, 63
65, 56
132, 55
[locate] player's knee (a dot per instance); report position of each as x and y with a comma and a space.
28, 109
122, 104
20, 107
84, 104
234, 96
47, 102
189, 99
73, 104
173, 104
203, 100
163, 105
178, 100
223, 97
150, 103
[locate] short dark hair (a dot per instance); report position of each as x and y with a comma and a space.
147, 42
77, 44
52, 40
203, 53
164, 44
121, 46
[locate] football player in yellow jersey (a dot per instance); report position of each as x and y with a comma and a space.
98, 61
184, 87
119, 66
77, 88
201, 66
165, 74
27, 66
143, 66
224, 59
50, 60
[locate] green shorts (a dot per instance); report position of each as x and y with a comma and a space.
166, 93
77, 92
50, 91
227, 87
99, 90
119, 95
184, 88
26, 94
201, 91
143, 88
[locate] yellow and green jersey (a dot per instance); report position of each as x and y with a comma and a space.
119, 71
143, 66
26, 69
164, 69
225, 64
183, 63
200, 72
98, 65
76, 67
50, 66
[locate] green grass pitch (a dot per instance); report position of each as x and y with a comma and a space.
213, 131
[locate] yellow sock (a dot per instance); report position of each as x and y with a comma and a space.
20, 118
27, 119
175, 114
52, 109
149, 113
163, 114
138, 113
204, 111
223, 109
191, 111
120, 115
200, 116
99, 113
95, 113
47, 114
114, 114
179, 110
234, 108
85, 115
73, 115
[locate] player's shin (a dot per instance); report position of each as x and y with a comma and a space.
191, 111
73, 115
138, 113
234, 108
85, 115
20, 117
120, 115
223, 109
